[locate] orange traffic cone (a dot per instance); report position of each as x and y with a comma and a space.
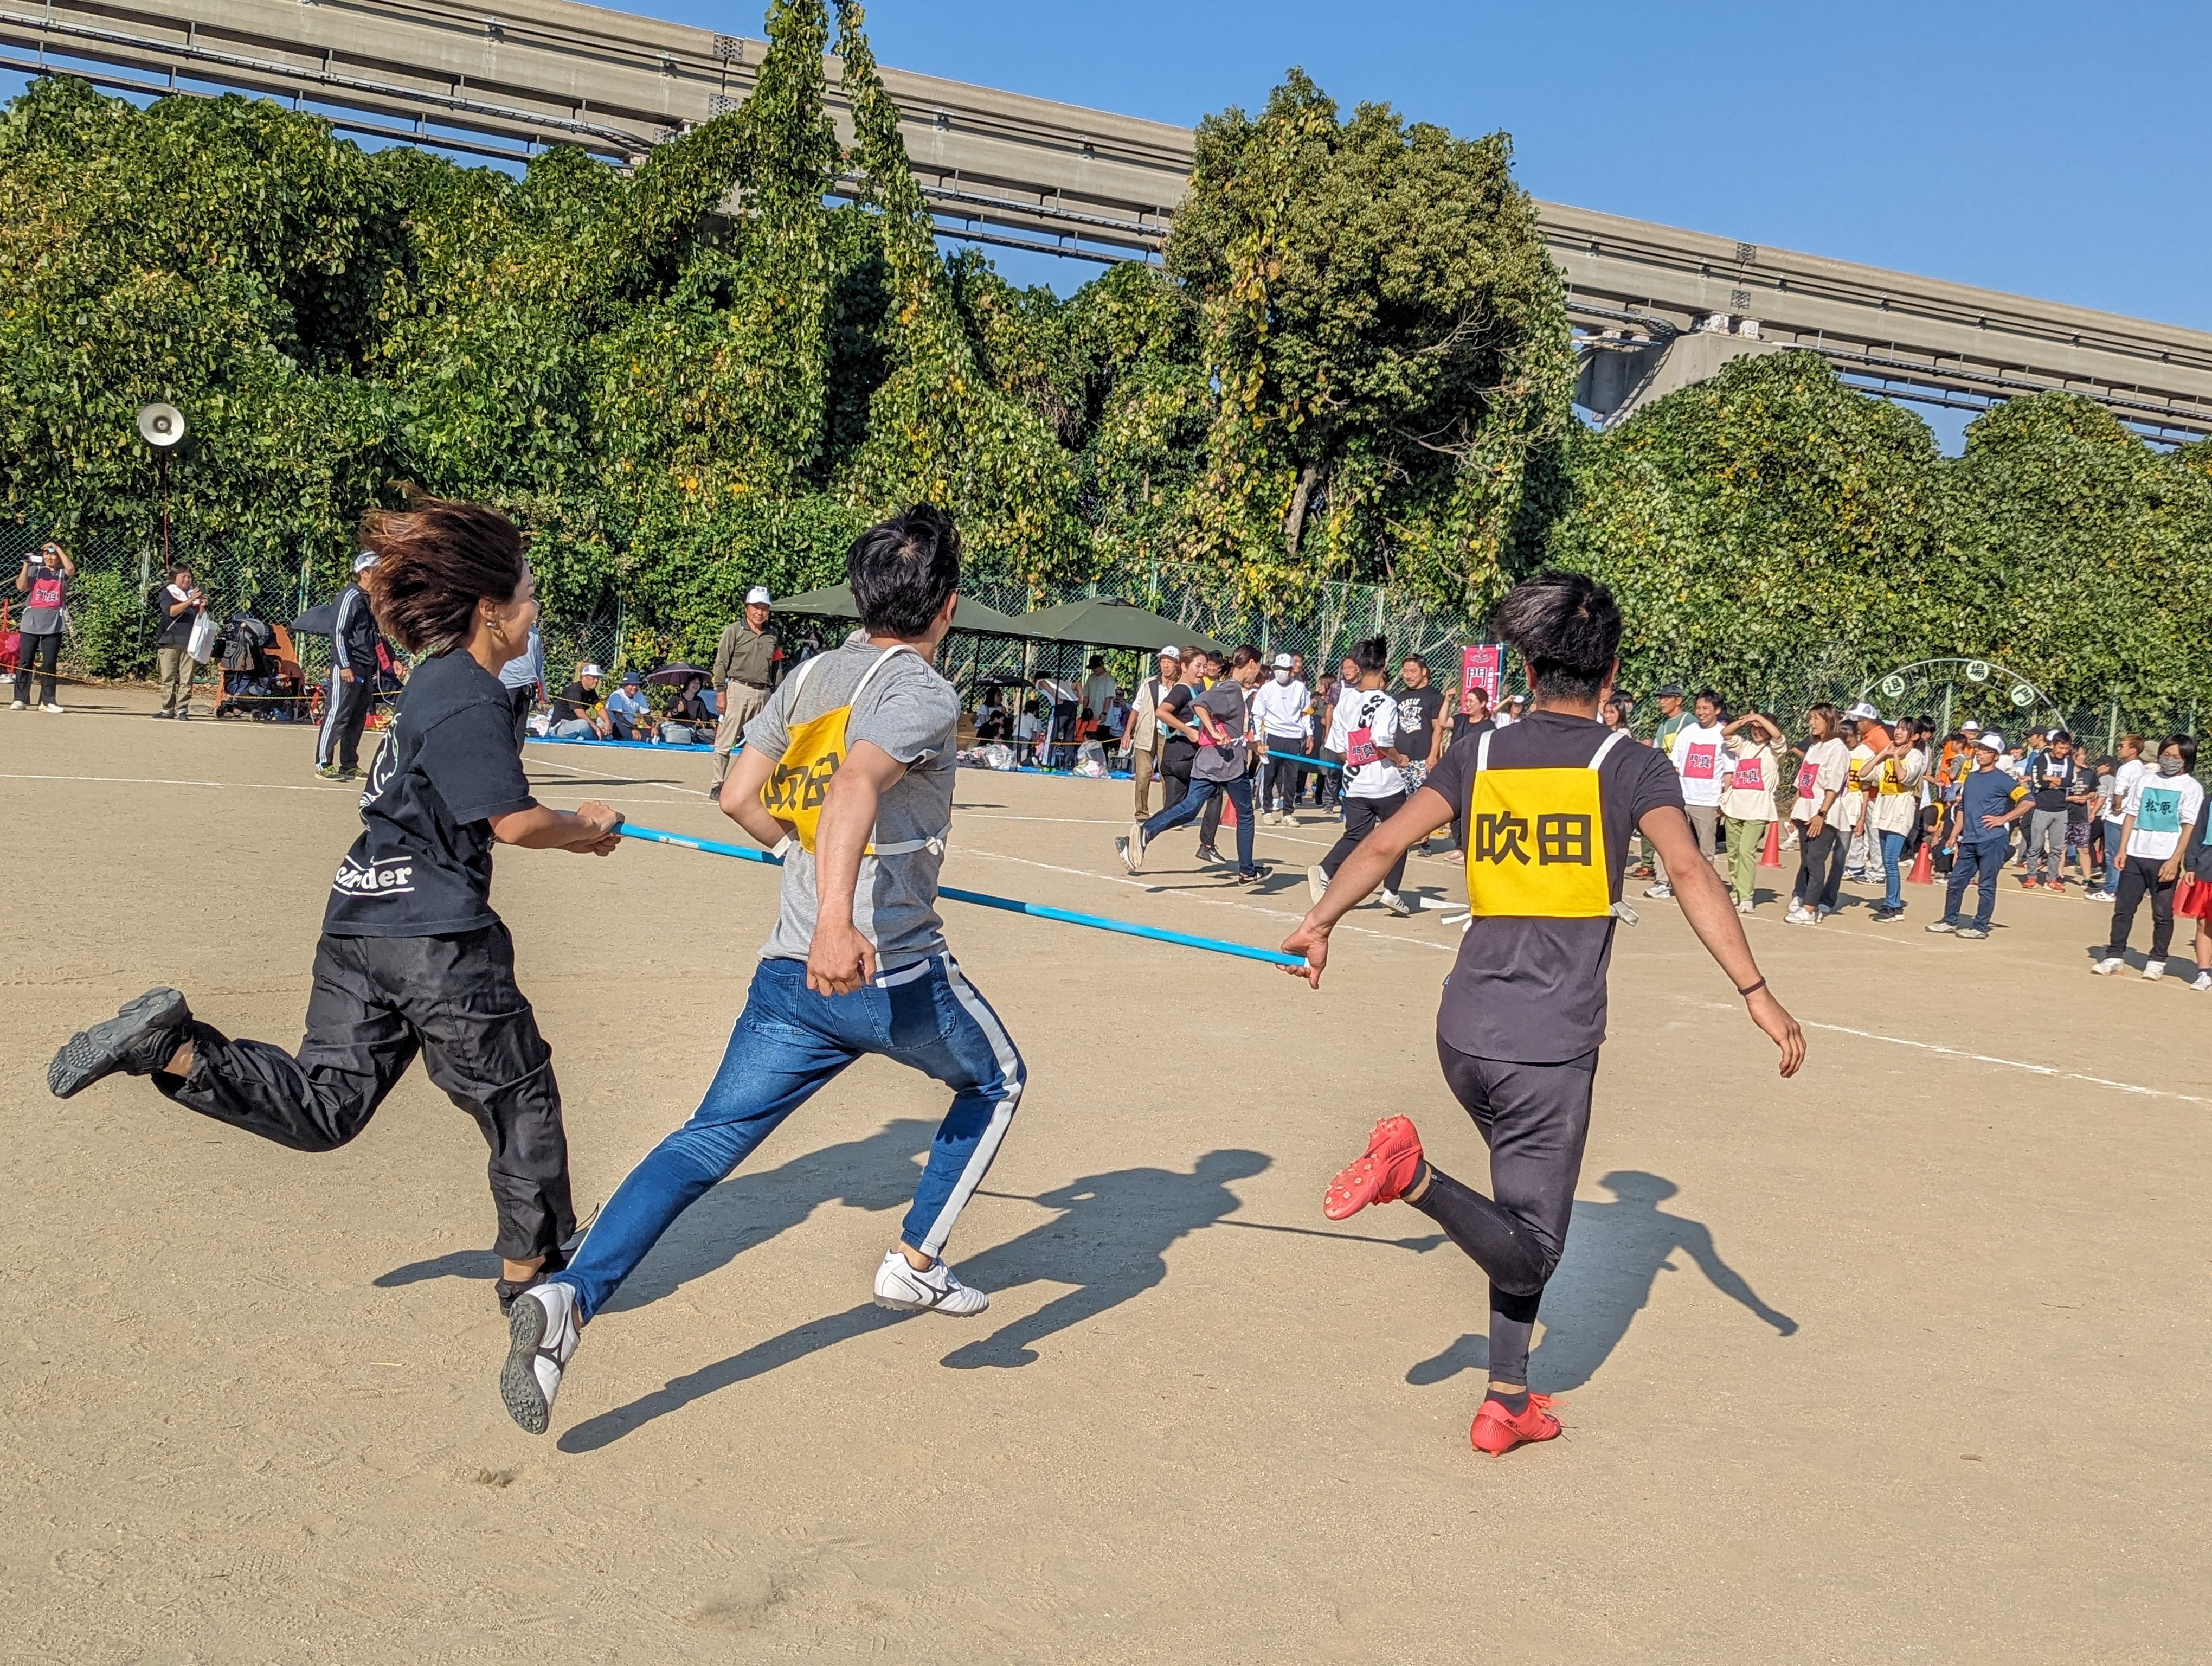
1228, 810
1923, 865
1771, 856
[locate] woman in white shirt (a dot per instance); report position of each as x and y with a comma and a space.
1820, 778
1895, 777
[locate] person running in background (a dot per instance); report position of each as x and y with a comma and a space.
856, 964
1523, 1010
412, 957
1141, 733
1980, 830
1820, 778
2162, 813
1373, 777
1223, 720
1896, 776
1279, 718
1180, 750
1695, 750
353, 642
1754, 770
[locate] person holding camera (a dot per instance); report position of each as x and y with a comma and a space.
44, 581
179, 606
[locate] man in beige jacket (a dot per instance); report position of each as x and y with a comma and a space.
745, 663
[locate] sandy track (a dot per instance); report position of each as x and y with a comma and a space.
1904, 1360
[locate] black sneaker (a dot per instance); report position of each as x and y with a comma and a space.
1258, 873
1206, 853
139, 1039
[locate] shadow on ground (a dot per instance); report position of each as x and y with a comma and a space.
1615, 1253
1108, 1242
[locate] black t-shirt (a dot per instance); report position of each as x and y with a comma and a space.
422, 866
172, 629
1417, 718
576, 701
1532, 991
1178, 749
2050, 781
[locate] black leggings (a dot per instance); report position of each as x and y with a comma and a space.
377, 1002
41, 650
1535, 1118
1819, 866
2139, 877
1361, 818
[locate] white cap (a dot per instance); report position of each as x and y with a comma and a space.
587, 670
364, 560
1991, 742
759, 594
1864, 712
1282, 662
1170, 652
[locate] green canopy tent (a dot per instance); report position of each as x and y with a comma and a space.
1107, 622
835, 602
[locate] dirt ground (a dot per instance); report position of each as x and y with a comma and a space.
1904, 1360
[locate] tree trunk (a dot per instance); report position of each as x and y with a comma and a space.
1294, 524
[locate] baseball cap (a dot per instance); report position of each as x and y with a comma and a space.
632, 680
1670, 691
1170, 652
1990, 742
364, 560
1864, 712
759, 594
1970, 728
1282, 662
587, 670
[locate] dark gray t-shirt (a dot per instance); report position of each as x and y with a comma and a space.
1225, 701
1532, 991
911, 713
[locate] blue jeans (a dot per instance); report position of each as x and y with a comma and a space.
787, 1043
1893, 847
1239, 793
2111, 877
1976, 857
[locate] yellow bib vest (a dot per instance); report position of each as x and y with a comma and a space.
796, 787
1535, 840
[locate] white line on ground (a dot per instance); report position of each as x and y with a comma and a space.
156, 781
2052, 1071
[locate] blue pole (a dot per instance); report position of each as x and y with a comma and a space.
1036, 910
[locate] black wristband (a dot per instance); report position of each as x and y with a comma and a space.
1752, 989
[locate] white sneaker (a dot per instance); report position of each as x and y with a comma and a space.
1798, 915
1132, 849
1316, 881
541, 1339
1663, 890
898, 1286
14, 705
1394, 903
2154, 971
1747, 907
2110, 966
2203, 983
50, 707
1942, 926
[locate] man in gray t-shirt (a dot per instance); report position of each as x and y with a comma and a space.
847, 774
1218, 725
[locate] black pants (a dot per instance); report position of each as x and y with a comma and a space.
377, 1002
1284, 776
1535, 1118
1361, 818
2139, 874
522, 700
1328, 784
42, 648
1819, 867
343, 717
1174, 777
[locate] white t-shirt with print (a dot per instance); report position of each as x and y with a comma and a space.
1754, 769
2165, 808
1696, 755
1375, 710
1897, 783
1825, 765
1850, 805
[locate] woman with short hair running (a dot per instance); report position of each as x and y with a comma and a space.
1549, 805
412, 958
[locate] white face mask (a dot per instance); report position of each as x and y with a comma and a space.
1283, 674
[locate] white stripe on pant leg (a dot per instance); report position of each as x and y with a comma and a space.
987, 1148
326, 737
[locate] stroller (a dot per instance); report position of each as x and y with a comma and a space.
260, 677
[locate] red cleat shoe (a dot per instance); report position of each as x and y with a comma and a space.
1393, 1158
1497, 1430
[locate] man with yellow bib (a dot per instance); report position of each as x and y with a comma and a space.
1548, 807
848, 772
